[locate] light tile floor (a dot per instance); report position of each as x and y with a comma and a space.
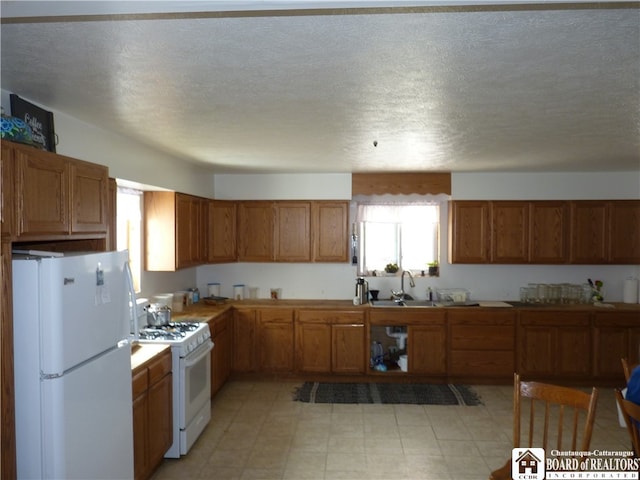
258, 432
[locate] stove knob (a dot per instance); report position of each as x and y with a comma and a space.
190, 347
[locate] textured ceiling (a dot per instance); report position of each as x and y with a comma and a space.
463, 89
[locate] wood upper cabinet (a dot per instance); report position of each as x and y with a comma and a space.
112, 213
175, 231
330, 227
509, 232
624, 232
57, 197
256, 222
7, 193
42, 188
292, 231
549, 230
589, 235
275, 340
191, 231
469, 232
222, 226
89, 197
554, 344
545, 232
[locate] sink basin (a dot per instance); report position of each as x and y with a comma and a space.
404, 303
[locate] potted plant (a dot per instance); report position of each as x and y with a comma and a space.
433, 268
391, 268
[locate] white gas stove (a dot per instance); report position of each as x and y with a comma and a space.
191, 347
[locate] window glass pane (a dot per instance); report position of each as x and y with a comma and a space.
380, 245
403, 234
129, 230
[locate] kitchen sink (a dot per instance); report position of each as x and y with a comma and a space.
404, 303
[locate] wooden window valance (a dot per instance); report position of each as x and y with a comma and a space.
404, 183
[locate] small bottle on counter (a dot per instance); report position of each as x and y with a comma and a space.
196, 295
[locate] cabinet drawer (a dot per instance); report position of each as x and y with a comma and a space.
159, 368
469, 362
140, 382
330, 317
488, 337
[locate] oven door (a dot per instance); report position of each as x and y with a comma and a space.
195, 382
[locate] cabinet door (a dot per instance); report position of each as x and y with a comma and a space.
330, 231
7, 197
112, 211
190, 232
347, 348
293, 231
255, 231
313, 347
574, 351
42, 193
427, 349
244, 340
222, 231
589, 232
624, 232
537, 350
276, 340
469, 231
89, 185
615, 336
221, 355
549, 232
160, 419
509, 232
140, 432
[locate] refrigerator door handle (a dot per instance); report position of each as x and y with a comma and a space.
133, 318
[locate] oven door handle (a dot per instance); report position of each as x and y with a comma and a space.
189, 362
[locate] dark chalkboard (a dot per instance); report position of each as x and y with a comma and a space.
39, 120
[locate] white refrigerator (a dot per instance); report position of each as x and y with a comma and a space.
72, 361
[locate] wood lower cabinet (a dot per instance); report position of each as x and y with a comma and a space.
275, 344
615, 336
330, 341
244, 340
152, 414
221, 329
426, 337
554, 344
482, 343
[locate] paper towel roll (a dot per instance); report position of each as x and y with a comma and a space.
630, 291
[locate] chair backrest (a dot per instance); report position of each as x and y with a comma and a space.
631, 414
572, 411
627, 368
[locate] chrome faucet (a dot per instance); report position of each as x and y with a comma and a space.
400, 295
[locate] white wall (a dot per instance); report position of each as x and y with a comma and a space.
139, 163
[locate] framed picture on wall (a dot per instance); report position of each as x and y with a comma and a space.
39, 120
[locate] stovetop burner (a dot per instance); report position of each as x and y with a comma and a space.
172, 331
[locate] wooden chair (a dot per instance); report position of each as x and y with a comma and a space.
627, 368
631, 415
561, 406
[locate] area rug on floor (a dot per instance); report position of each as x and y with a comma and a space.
410, 393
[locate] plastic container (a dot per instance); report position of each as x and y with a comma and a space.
452, 295
403, 362
238, 291
213, 289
